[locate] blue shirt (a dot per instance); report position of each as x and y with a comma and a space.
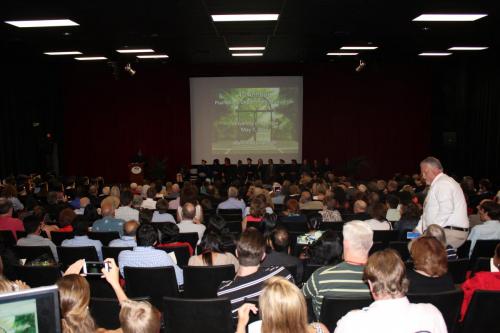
487, 230
124, 241
84, 241
232, 203
108, 224
143, 256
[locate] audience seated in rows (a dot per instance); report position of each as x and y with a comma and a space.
125, 212
33, 229
169, 237
313, 233
437, 232
232, 201
489, 213
378, 221
108, 222
189, 223
7, 222
306, 202
81, 230
213, 254
279, 253
129, 234
161, 213
330, 213
189, 194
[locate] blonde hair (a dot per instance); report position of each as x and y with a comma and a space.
139, 317
282, 307
74, 298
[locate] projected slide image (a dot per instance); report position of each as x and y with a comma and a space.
18, 317
256, 119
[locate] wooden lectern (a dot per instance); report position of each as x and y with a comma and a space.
136, 173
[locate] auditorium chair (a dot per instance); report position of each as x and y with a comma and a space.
481, 265
105, 236
464, 249
105, 311
334, 308
377, 246
447, 302
33, 252
295, 227
335, 226
22, 234
7, 238
256, 225
154, 282
484, 248
204, 281
402, 248
172, 212
482, 313
308, 270
182, 315
37, 276
385, 236
181, 253
113, 252
230, 215
234, 227
58, 237
68, 255
188, 237
458, 269
308, 212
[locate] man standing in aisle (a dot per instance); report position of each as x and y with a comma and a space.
445, 203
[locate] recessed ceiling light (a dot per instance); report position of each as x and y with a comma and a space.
247, 54
449, 17
244, 17
153, 56
247, 48
434, 54
359, 47
135, 51
342, 53
42, 23
63, 53
90, 58
467, 48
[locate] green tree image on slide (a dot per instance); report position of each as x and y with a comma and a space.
18, 317
256, 119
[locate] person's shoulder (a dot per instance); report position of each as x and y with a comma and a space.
352, 321
421, 310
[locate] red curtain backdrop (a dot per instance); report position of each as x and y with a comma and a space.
382, 114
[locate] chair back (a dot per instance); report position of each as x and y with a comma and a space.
484, 248
234, 226
230, 215
189, 237
113, 252
464, 249
482, 313
7, 238
334, 308
68, 255
32, 252
308, 270
335, 226
105, 311
22, 234
448, 302
204, 281
181, 315
298, 227
154, 282
181, 253
481, 265
458, 269
385, 236
105, 236
38, 276
402, 248
58, 237
377, 246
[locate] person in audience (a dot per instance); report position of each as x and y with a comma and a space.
359, 209
189, 194
149, 202
128, 238
232, 201
161, 213
84, 202
344, 279
482, 281
213, 253
445, 203
250, 251
282, 308
169, 237
292, 212
410, 215
108, 221
113, 199
257, 211
378, 221
437, 232
54, 205
430, 267
489, 213
188, 223
10, 193
65, 221
391, 311
279, 192
218, 225
33, 229
81, 230
125, 212
145, 255
394, 208
330, 212
306, 202
7, 222
137, 202
7, 286
313, 233
279, 242
327, 250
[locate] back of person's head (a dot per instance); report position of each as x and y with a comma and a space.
359, 237
327, 250
66, 217
305, 196
189, 194
74, 298
232, 192
437, 232
5, 206
280, 239
130, 228
169, 232
250, 247
139, 317
283, 307
392, 201
378, 211
158, 186
81, 226
126, 198
31, 224
188, 211
146, 235
145, 216
210, 243
151, 192
429, 256
386, 274
107, 209
359, 206
292, 206
492, 209
137, 201
314, 221
257, 207
162, 206
411, 211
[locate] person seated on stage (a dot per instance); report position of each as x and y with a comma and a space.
81, 230
125, 211
213, 253
108, 222
257, 211
161, 213
128, 238
391, 311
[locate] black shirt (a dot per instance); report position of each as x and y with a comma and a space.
423, 284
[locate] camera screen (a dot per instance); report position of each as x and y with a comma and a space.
94, 267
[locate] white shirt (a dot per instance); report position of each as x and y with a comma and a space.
165, 217
493, 268
186, 226
378, 225
127, 213
269, 210
444, 205
393, 316
197, 215
149, 204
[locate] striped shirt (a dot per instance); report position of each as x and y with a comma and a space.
250, 286
342, 280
